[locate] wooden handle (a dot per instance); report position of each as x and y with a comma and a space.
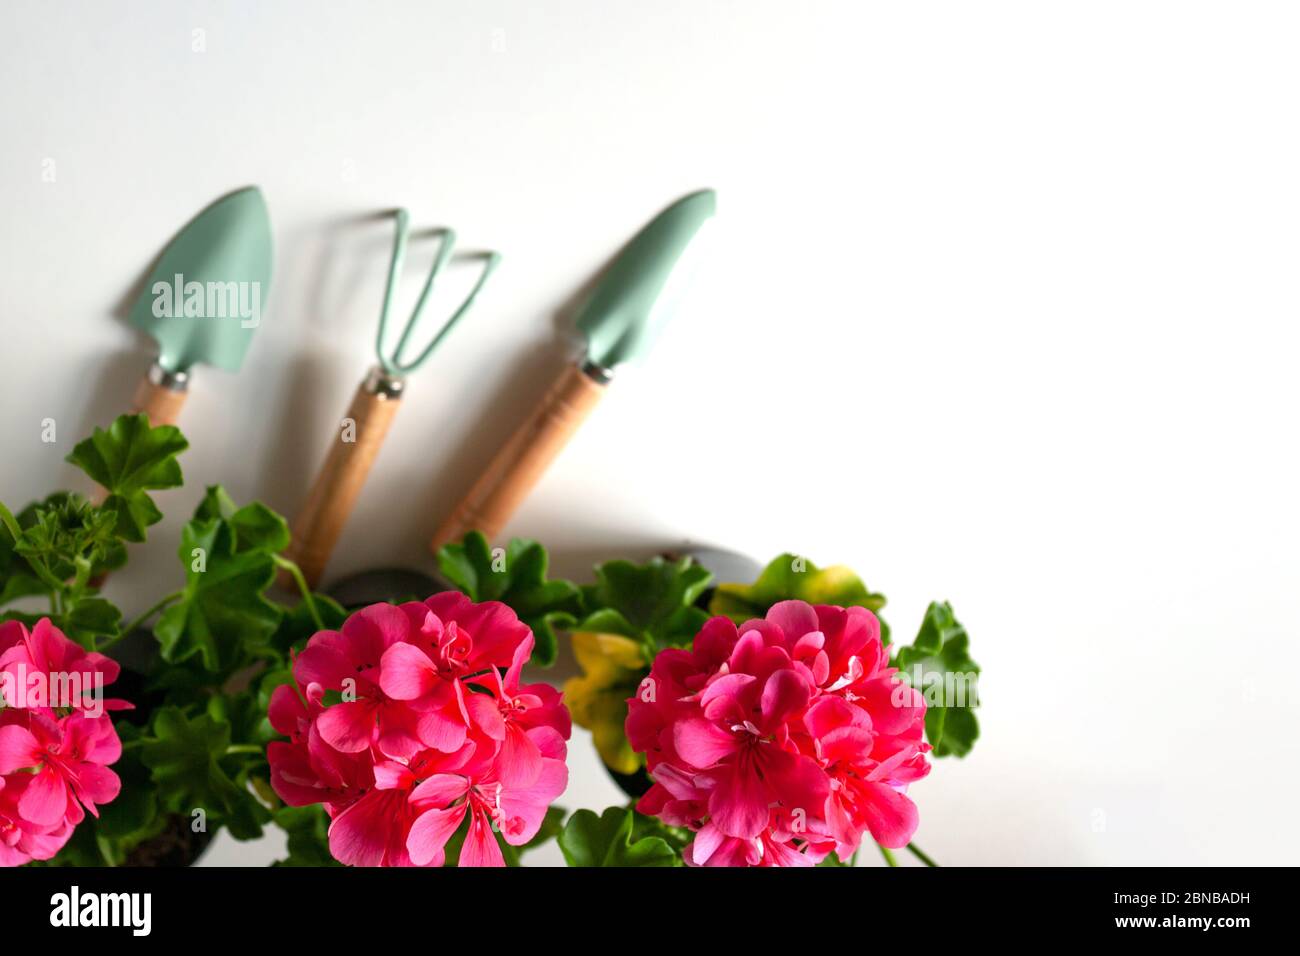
521, 462
335, 490
161, 404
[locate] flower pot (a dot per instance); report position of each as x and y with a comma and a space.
176, 845
634, 785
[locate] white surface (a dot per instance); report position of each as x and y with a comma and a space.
1002, 309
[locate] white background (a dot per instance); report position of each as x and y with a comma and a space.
1000, 308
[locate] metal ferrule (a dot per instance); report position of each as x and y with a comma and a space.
595, 372
172, 381
380, 383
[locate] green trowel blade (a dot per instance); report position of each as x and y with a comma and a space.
619, 319
204, 298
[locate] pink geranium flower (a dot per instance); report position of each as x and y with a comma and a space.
480, 792
347, 661
440, 732
69, 759
22, 840
782, 740
56, 741
453, 639
29, 659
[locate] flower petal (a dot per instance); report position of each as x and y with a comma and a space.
480, 847
702, 743
18, 749
45, 801
427, 841
519, 760
349, 726
890, 815
739, 801
785, 695
406, 672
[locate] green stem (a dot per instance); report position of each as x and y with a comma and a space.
296, 573
243, 749
889, 857
920, 855
139, 621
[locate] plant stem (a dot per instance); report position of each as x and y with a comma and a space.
296, 573
920, 855
139, 621
889, 857
242, 749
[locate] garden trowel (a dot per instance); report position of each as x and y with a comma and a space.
620, 321
204, 298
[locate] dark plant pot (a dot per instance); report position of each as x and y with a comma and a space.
634, 785
176, 845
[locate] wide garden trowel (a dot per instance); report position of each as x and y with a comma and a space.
204, 299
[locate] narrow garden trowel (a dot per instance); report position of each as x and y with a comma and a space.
204, 299
620, 321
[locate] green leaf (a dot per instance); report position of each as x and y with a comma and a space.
136, 806
652, 602
608, 840
516, 577
613, 666
938, 663
68, 537
129, 459
308, 832
17, 580
184, 756
89, 618
791, 577
223, 615
648, 595
256, 527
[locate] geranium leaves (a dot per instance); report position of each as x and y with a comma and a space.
223, 613
200, 743
790, 577
516, 577
129, 459
939, 665
308, 836
256, 527
184, 756
616, 838
613, 666
653, 603
55, 547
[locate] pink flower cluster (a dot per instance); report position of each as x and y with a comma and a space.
409, 721
781, 741
56, 740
